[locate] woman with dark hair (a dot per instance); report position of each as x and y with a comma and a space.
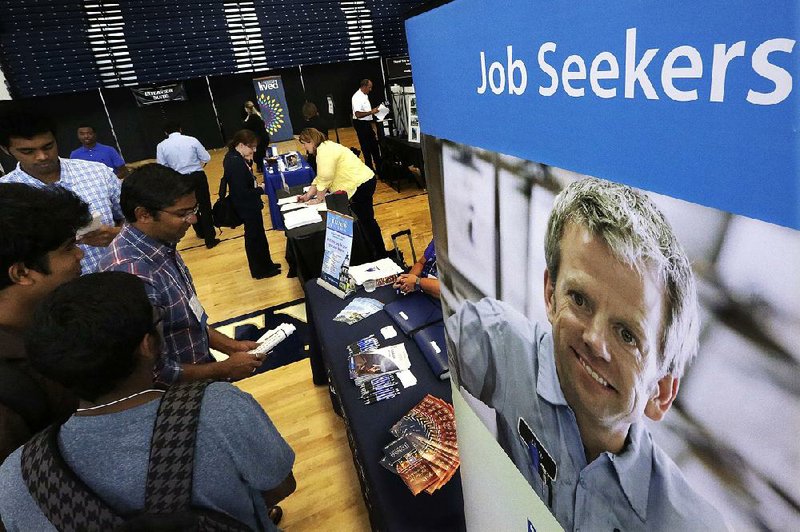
338, 168
255, 123
246, 197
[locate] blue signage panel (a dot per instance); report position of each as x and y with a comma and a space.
272, 103
697, 100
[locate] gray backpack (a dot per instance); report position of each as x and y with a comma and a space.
71, 505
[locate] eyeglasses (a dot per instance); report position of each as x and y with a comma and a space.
184, 215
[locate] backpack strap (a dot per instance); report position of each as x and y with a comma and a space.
169, 474
67, 502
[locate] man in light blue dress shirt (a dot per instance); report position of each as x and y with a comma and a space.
570, 399
186, 155
30, 138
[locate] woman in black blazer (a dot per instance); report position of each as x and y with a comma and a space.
246, 197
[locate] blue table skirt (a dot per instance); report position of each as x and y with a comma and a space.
273, 183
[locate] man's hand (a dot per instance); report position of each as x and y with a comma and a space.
101, 237
315, 201
406, 282
302, 198
374, 111
240, 365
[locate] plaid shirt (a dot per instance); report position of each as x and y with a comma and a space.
170, 288
94, 183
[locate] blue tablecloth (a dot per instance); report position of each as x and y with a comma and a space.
390, 503
273, 183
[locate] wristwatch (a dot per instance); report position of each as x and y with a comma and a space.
417, 286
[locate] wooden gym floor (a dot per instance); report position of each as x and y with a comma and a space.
328, 495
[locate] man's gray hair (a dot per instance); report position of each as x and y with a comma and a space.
639, 235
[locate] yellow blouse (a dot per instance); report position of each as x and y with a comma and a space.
338, 168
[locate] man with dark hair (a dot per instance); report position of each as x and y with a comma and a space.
30, 138
99, 336
362, 122
159, 205
37, 253
91, 150
186, 155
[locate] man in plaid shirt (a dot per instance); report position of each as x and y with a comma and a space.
30, 138
160, 205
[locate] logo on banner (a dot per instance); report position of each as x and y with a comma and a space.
273, 113
272, 103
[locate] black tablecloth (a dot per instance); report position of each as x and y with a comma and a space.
390, 503
305, 245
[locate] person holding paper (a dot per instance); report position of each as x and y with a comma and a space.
571, 400
339, 169
362, 122
159, 205
246, 196
31, 139
423, 275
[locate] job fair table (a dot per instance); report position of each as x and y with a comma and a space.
274, 179
305, 245
390, 503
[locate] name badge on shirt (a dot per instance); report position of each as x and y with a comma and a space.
542, 461
198, 310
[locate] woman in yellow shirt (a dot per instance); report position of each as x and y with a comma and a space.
339, 169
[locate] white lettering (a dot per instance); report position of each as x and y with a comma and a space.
719, 68
595, 74
568, 75
500, 86
637, 72
518, 65
547, 69
482, 88
780, 77
670, 72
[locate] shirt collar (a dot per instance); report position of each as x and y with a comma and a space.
149, 246
547, 385
634, 467
63, 172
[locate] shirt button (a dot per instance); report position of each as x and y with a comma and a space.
583, 483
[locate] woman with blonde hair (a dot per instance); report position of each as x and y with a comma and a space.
339, 169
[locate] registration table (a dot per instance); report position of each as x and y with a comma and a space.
305, 245
273, 183
390, 503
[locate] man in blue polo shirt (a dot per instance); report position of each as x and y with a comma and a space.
91, 150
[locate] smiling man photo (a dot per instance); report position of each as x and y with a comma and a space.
571, 398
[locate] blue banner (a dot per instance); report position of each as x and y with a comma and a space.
272, 103
338, 246
696, 100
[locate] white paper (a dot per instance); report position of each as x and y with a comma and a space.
374, 270
290, 199
301, 217
382, 112
407, 379
388, 332
291, 206
94, 225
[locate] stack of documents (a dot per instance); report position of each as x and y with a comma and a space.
301, 217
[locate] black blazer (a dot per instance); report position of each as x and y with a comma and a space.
246, 197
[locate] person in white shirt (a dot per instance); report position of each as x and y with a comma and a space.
186, 155
362, 122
